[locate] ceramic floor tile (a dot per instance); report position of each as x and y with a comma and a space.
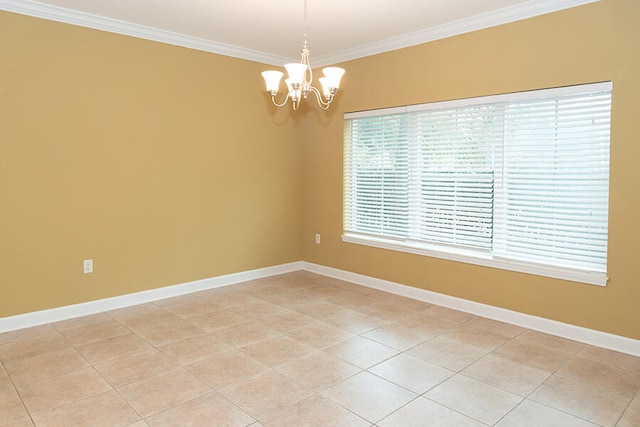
304, 349
61, 390
265, 394
355, 322
531, 354
82, 321
387, 310
494, 327
256, 309
369, 396
112, 348
558, 345
361, 352
106, 409
5, 382
141, 316
477, 400
43, 366
227, 300
319, 310
215, 320
94, 332
601, 376
318, 370
167, 332
211, 409
226, 368
32, 346
429, 323
610, 357
411, 373
153, 395
276, 350
315, 411
423, 412
529, 413
286, 320
319, 335
398, 336
507, 375
449, 352
631, 417
188, 306
244, 334
194, 349
450, 314
41, 331
11, 408
23, 422
598, 406
134, 367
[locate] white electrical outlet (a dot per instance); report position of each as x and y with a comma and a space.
87, 266
317, 239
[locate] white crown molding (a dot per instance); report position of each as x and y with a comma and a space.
82, 19
506, 15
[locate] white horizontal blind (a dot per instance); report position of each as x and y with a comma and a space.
377, 166
520, 177
556, 180
453, 174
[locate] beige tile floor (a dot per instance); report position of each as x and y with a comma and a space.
306, 350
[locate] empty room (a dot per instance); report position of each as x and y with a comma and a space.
428, 217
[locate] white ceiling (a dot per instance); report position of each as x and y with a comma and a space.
271, 31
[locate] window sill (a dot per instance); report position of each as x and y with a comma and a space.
470, 257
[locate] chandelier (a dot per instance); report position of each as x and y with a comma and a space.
300, 77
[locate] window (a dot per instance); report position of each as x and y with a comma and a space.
517, 181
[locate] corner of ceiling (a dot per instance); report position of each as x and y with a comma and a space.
506, 15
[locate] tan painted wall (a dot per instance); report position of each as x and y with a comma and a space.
590, 43
126, 151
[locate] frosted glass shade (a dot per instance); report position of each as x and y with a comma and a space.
296, 72
332, 76
272, 79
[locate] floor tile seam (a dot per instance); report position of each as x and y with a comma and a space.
578, 380
87, 398
260, 417
608, 365
637, 396
564, 412
212, 392
397, 410
88, 365
402, 386
346, 408
454, 410
118, 390
17, 392
174, 368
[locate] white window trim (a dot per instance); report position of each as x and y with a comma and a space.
473, 257
476, 257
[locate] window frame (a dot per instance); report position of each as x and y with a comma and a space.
459, 254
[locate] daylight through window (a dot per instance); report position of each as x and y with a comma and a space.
517, 181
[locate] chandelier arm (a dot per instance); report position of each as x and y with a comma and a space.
323, 104
284, 102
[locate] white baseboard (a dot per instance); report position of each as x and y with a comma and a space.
576, 333
36, 318
564, 330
